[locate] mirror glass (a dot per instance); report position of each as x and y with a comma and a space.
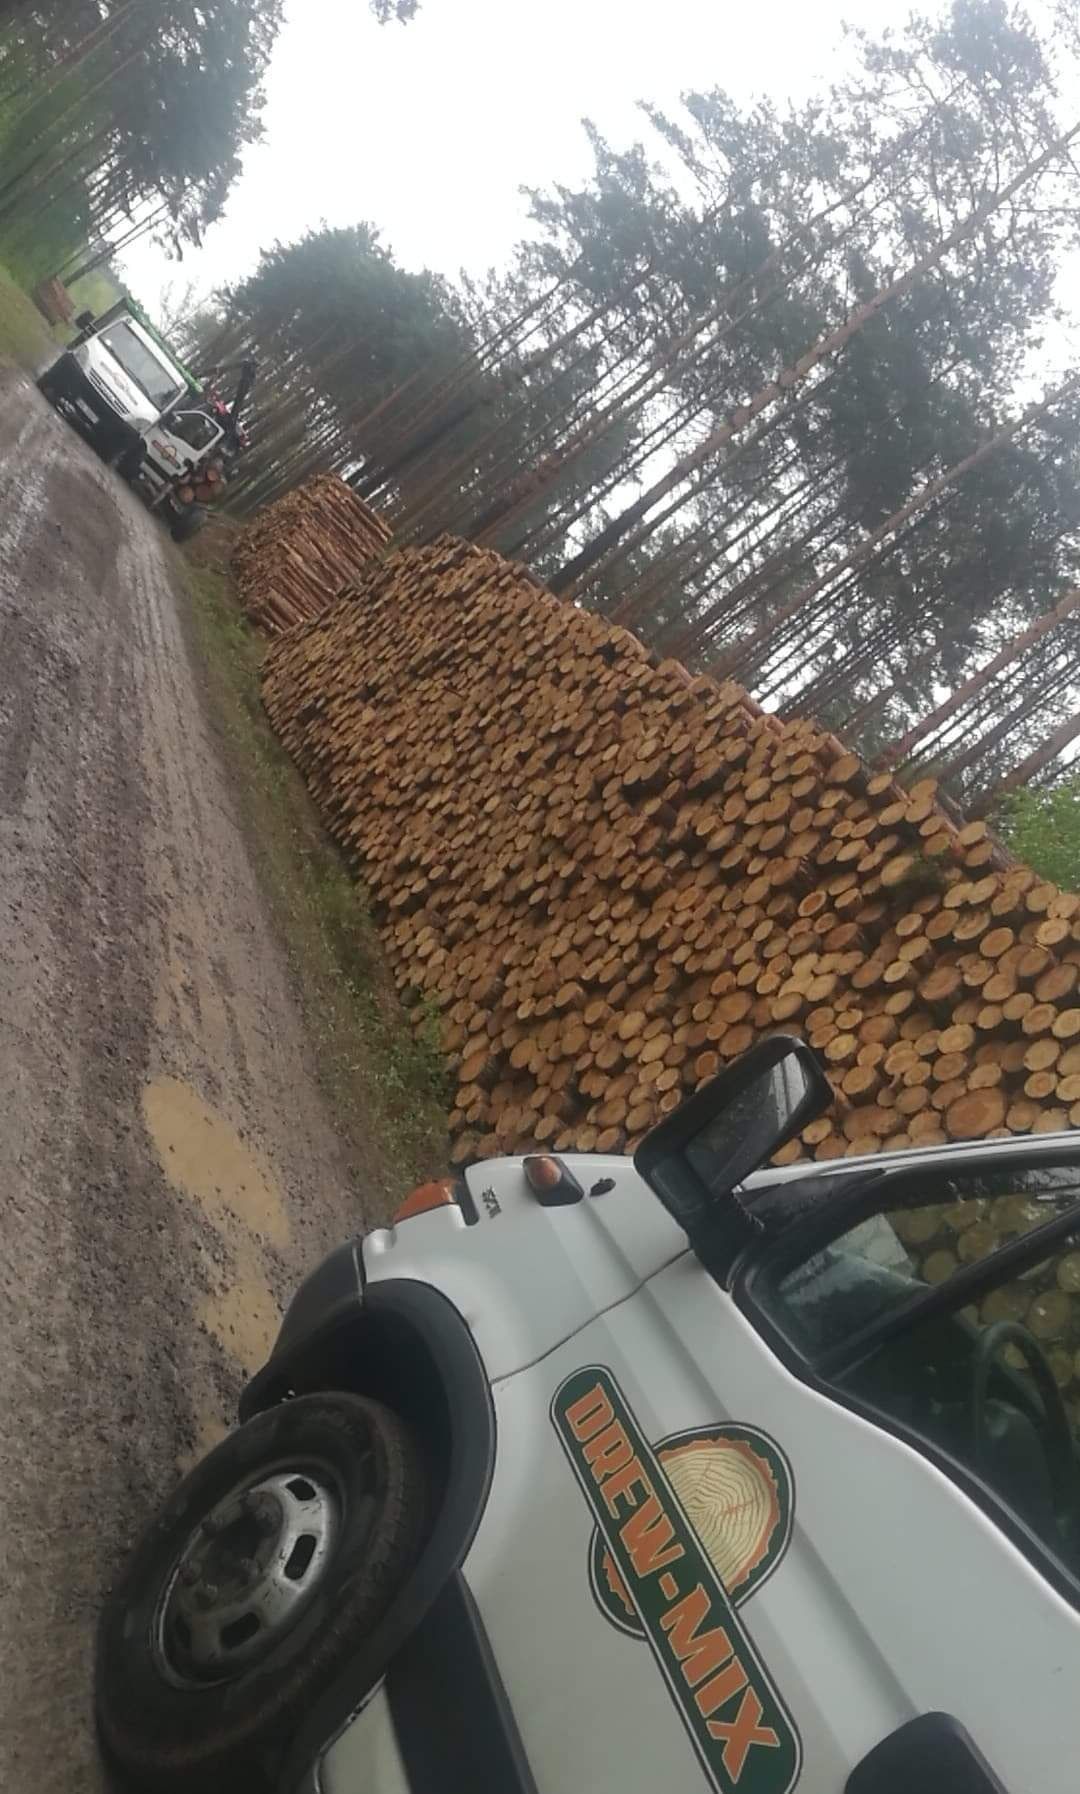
696, 1157
750, 1126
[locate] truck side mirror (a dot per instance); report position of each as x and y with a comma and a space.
696, 1158
85, 321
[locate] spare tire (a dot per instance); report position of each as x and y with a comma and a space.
256, 1582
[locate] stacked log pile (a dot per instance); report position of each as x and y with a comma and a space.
608, 878
299, 552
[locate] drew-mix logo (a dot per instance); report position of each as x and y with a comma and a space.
685, 1532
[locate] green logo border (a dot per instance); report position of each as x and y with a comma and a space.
773, 1770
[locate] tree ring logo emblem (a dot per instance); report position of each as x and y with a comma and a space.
734, 1486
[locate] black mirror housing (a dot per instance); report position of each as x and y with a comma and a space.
697, 1157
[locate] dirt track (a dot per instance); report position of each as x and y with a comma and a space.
166, 1162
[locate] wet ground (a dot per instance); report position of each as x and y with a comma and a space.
167, 1165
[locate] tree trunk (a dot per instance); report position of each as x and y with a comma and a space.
1011, 651
925, 495
1028, 769
565, 580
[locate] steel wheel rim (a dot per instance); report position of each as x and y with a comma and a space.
247, 1574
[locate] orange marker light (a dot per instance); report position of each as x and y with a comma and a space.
551, 1182
426, 1197
543, 1173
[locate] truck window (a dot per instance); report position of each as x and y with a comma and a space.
955, 1320
151, 375
932, 1230
1010, 1437
193, 427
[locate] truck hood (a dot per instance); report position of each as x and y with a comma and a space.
526, 1277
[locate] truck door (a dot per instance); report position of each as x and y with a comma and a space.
701, 1570
179, 440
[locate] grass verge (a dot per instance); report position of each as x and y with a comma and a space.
387, 1089
25, 338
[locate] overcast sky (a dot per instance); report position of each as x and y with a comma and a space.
429, 130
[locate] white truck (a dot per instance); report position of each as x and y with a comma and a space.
164, 429
116, 379
590, 1476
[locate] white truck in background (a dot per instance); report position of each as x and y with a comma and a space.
166, 430
117, 378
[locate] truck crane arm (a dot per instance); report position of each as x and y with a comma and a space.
248, 372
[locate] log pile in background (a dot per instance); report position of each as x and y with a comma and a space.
299, 552
609, 878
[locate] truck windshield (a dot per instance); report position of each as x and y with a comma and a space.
150, 372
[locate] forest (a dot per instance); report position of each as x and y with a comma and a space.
787, 389
121, 117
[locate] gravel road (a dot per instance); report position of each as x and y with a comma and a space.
167, 1166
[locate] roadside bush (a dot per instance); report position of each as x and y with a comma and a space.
1042, 826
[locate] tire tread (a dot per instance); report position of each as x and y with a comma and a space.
228, 1736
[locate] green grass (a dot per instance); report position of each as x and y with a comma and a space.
25, 338
95, 292
388, 1090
